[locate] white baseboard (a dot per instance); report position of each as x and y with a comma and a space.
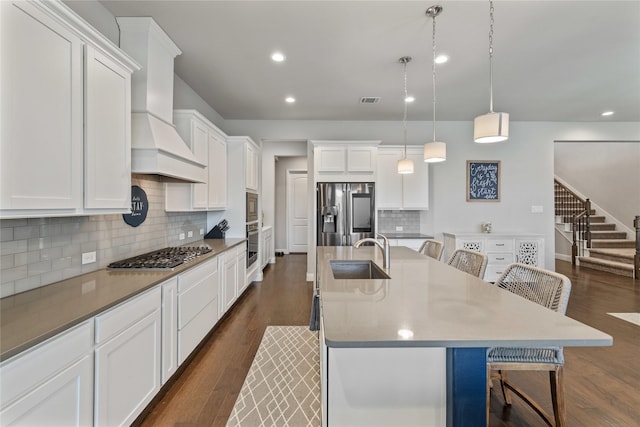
284, 251
310, 277
272, 260
563, 257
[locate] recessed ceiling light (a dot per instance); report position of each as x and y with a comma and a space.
277, 57
441, 59
409, 99
607, 113
290, 99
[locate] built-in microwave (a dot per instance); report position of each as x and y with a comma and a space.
252, 207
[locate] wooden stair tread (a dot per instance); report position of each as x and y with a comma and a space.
623, 253
600, 261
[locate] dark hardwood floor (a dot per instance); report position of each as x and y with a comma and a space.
602, 384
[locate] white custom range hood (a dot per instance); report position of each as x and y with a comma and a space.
156, 147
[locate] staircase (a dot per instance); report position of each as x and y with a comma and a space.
610, 251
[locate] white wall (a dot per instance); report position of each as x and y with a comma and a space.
527, 167
606, 172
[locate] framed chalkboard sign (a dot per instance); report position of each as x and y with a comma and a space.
483, 180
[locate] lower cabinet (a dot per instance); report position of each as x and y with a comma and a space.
51, 384
267, 246
106, 370
127, 359
197, 305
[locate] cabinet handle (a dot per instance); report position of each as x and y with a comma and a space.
500, 259
499, 244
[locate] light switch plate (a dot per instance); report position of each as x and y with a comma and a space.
399, 228
189, 233
181, 236
536, 209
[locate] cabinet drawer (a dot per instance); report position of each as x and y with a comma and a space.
191, 335
499, 245
195, 298
26, 370
196, 274
493, 272
499, 258
127, 314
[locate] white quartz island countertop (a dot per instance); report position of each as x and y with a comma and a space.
427, 303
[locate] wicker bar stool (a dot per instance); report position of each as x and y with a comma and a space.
550, 290
472, 262
432, 248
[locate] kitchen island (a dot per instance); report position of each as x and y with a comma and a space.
411, 349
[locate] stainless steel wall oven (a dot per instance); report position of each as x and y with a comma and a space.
252, 243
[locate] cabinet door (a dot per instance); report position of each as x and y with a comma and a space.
389, 181
200, 148
477, 245
64, 400
415, 189
107, 134
230, 274
251, 167
330, 159
128, 366
241, 267
217, 172
41, 111
169, 328
530, 251
361, 160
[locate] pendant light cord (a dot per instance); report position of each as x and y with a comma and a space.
491, 56
434, 75
405, 60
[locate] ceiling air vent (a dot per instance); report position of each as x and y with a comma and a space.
369, 100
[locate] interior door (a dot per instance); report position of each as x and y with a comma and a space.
297, 216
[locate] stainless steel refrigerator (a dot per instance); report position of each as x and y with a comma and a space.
346, 212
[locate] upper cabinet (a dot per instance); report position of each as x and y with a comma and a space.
66, 133
209, 145
402, 191
251, 167
245, 155
345, 160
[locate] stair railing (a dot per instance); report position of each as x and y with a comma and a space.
636, 258
572, 207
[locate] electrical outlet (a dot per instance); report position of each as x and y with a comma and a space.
202, 231
181, 237
536, 209
189, 233
88, 257
399, 228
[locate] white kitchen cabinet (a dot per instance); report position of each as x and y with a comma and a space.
127, 359
243, 280
198, 290
251, 167
402, 191
107, 172
345, 160
268, 255
229, 279
66, 131
208, 144
502, 249
169, 328
50, 384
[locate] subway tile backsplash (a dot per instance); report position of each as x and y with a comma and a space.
35, 252
408, 220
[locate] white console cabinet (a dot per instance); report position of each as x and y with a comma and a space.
66, 115
502, 249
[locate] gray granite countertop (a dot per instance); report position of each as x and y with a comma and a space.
427, 303
28, 318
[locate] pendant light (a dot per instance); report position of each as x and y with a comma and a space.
434, 151
405, 165
491, 127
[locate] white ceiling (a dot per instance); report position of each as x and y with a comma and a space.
553, 60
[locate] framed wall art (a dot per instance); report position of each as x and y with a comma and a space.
483, 180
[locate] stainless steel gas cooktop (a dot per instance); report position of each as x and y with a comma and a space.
161, 259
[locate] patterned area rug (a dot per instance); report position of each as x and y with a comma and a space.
282, 387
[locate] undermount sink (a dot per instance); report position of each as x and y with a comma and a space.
357, 270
